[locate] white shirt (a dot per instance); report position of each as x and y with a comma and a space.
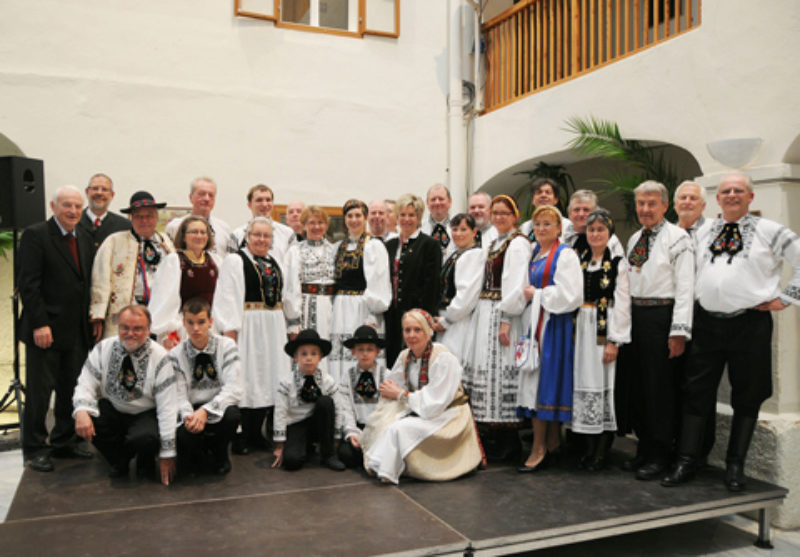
154, 387
468, 280
753, 275
427, 228
667, 273
215, 395
358, 408
291, 409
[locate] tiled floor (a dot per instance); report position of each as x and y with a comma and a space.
256, 508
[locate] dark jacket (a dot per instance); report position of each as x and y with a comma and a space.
112, 223
54, 291
418, 286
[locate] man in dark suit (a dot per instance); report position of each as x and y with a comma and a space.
55, 262
97, 221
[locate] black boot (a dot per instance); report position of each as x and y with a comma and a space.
741, 433
589, 449
689, 446
604, 442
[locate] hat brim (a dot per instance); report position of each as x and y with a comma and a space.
324, 345
128, 210
353, 342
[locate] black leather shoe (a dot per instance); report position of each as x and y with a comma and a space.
334, 463
734, 476
652, 470
41, 463
684, 471
541, 465
596, 464
633, 464
223, 468
72, 451
239, 446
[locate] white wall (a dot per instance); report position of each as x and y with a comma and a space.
155, 93
731, 77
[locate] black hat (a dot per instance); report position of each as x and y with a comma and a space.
142, 199
307, 336
364, 335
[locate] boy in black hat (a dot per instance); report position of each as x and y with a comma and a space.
360, 387
307, 406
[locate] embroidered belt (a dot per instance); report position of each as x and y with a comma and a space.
649, 302
491, 295
594, 304
722, 314
254, 306
323, 289
349, 292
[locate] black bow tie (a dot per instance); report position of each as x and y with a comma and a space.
310, 391
204, 365
128, 373
366, 385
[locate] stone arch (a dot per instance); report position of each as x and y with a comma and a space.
588, 173
9, 148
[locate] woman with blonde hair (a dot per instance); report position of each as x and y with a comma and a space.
423, 425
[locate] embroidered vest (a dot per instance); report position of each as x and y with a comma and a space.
256, 288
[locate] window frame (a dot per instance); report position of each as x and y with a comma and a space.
362, 24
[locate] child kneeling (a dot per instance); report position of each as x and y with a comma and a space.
306, 406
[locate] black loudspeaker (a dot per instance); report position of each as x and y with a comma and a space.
21, 192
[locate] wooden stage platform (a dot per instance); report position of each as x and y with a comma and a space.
255, 510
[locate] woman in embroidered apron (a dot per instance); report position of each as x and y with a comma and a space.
604, 323
361, 284
422, 425
490, 377
309, 273
191, 272
249, 307
556, 286
461, 282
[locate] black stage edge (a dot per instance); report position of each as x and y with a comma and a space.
256, 510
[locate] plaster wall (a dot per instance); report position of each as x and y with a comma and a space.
726, 79
156, 93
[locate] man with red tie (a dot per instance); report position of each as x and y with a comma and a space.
55, 262
97, 221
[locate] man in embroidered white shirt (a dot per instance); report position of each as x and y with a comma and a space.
260, 201
203, 197
478, 207
125, 400
690, 202
437, 225
739, 259
661, 274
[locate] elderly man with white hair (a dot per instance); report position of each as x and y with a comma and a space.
690, 202
55, 262
581, 204
738, 285
661, 273
203, 197
378, 220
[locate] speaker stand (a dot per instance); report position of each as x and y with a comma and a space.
16, 389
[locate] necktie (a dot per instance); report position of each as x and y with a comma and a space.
478, 238
439, 234
97, 222
310, 391
728, 241
641, 251
150, 253
366, 385
128, 373
72, 244
204, 364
